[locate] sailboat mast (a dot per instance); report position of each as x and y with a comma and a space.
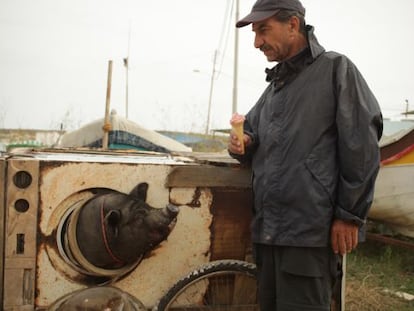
107, 124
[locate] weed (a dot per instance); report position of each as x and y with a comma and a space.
374, 272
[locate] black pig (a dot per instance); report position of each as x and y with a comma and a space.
116, 229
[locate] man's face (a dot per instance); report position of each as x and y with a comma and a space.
274, 39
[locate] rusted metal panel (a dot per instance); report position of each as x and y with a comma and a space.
213, 222
231, 224
68, 182
209, 176
20, 234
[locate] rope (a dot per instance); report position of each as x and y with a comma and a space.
107, 127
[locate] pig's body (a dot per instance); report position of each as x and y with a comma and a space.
116, 229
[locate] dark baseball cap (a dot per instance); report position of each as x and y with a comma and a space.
263, 9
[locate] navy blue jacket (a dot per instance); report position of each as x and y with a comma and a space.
314, 152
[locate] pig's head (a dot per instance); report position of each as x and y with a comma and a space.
117, 229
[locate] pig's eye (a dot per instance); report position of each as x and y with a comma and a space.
137, 217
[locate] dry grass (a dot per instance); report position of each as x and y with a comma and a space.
365, 297
375, 268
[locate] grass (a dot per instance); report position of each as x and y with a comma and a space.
375, 271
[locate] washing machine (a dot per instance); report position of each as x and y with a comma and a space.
137, 222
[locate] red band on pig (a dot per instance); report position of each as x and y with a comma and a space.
108, 249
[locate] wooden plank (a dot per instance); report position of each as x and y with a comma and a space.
390, 240
209, 176
213, 158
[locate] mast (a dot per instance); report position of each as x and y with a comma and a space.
107, 124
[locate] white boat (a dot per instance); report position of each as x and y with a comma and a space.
124, 134
394, 198
393, 202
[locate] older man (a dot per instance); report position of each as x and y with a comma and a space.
312, 143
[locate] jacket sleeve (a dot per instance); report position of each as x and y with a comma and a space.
359, 127
250, 127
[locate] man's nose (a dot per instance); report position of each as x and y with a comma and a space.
258, 42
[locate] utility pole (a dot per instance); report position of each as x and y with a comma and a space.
236, 60
126, 86
126, 64
213, 73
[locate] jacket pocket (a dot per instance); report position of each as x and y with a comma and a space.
325, 173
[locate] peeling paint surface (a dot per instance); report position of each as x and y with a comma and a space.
188, 245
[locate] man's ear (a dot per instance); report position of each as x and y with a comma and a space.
294, 24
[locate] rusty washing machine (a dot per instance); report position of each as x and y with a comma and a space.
73, 220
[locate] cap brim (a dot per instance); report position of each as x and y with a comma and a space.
255, 17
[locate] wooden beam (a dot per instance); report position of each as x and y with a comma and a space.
390, 241
209, 176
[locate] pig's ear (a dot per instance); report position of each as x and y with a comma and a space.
140, 191
113, 218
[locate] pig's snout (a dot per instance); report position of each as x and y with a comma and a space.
172, 210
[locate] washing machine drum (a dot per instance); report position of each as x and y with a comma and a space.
98, 299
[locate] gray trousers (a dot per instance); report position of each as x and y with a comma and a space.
296, 278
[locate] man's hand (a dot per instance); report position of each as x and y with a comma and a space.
344, 236
234, 145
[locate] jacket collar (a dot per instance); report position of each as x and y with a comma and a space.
296, 63
315, 47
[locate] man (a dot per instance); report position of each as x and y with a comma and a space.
312, 143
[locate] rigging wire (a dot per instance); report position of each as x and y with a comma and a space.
224, 37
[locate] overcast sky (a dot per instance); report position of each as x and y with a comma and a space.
54, 58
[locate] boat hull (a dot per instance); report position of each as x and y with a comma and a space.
393, 202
